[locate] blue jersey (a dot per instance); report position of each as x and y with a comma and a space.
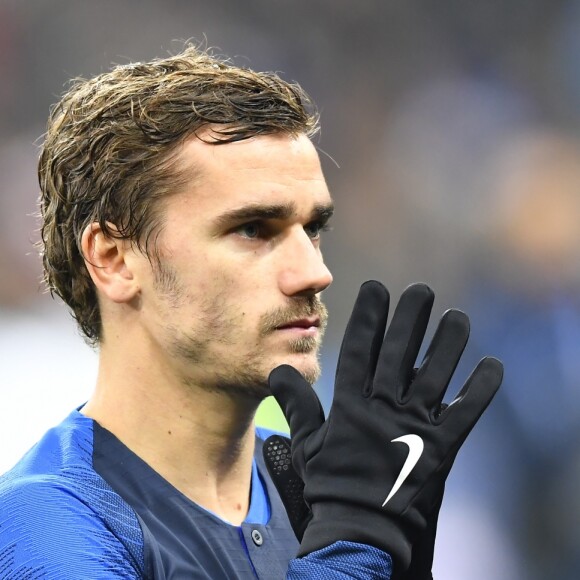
80, 504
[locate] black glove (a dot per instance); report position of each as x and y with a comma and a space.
423, 549
277, 454
278, 457
361, 483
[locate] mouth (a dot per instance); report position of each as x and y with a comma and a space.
301, 323
301, 327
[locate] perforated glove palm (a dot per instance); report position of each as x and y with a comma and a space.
374, 470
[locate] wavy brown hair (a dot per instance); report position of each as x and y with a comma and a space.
109, 151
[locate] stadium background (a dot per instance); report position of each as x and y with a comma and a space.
454, 127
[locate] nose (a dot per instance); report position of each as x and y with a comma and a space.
303, 271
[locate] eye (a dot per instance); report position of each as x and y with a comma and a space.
251, 230
314, 229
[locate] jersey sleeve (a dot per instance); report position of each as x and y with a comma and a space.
49, 533
342, 561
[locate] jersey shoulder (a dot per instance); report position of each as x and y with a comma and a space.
60, 519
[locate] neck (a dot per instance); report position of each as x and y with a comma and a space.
200, 441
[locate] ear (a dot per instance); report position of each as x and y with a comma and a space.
108, 260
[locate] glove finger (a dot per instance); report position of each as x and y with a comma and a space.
278, 458
298, 402
465, 410
362, 341
401, 346
441, 360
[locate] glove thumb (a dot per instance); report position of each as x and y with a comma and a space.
298, 402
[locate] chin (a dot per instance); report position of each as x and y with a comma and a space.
307, 365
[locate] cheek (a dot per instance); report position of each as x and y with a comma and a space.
221, 302
227, 294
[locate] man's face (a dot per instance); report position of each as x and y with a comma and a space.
235, 291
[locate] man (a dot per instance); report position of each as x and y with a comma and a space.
183, 204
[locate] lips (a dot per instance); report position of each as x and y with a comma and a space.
301, 323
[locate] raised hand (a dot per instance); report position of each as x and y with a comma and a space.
375, 469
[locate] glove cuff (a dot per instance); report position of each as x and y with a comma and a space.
362, 527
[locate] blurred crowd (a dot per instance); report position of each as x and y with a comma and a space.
451, 143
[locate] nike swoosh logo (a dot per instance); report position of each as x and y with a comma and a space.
415, 445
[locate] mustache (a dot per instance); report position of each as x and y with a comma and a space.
305, 308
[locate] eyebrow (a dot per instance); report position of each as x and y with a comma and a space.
259, 211
322, 212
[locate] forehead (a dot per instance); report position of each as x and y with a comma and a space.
277, 168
